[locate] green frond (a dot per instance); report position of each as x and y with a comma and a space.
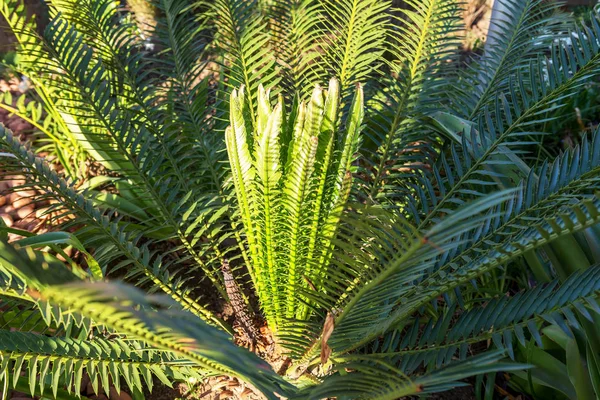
355, 43
424, 271
297, 190
487, 145
416, 250
243, 40
421, 47
23, 311
391, 255
152, 320
181, 39
55, 363
31, 62
19, 310
365, 380
102, 27
240, 160
440, 340
119, 49
173, 143
119, 132
25, 317
515, 39
296, 40
572, 219
102, 231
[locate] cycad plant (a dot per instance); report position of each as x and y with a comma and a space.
358, 216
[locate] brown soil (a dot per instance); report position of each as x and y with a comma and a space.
17, 209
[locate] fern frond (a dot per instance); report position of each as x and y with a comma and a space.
244, 41
133, 144
182, 42
573, 220
365, 380
125, 57
296, 40
401, 290
439, 341
503, 126
19, 309
515, 39
362, 281
31, 63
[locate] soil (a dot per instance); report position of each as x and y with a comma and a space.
17, 210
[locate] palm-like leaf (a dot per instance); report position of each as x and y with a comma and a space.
286, 189
102, 230
110, 305
296, 39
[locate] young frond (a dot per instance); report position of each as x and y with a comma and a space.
291, 178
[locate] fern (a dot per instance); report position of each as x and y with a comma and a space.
111, 240
510, 51
62, 362
501, 320
243, 40
504, 124
419, 47
358, 30
65, 138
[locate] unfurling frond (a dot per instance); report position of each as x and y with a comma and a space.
286, 188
